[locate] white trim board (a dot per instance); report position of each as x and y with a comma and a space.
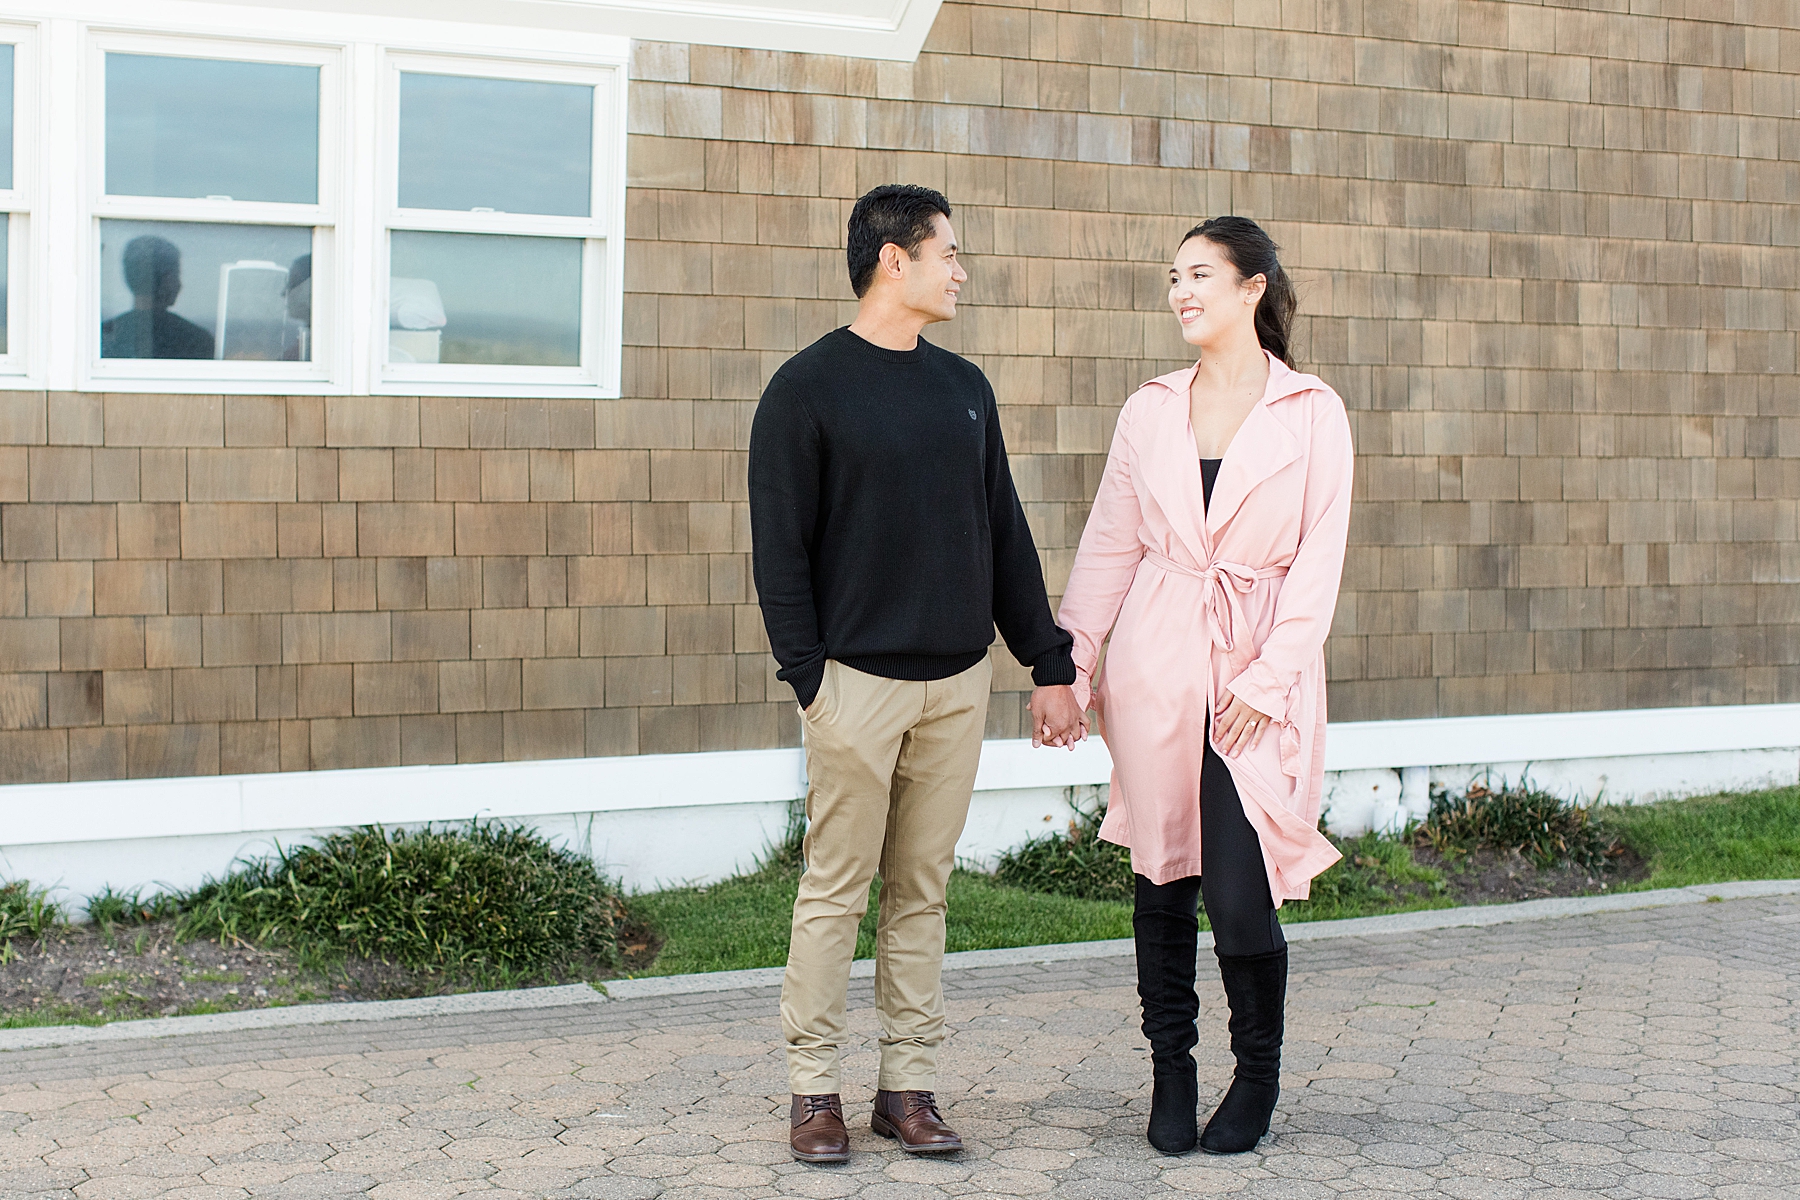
889, 29
1543, 737
125, 809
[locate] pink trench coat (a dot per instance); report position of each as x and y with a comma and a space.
1199, 601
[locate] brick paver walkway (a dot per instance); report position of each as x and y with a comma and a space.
1639, 1054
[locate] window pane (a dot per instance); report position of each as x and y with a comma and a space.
5, 313
202, 127
502, 144
6, 116
180, 289
485, 298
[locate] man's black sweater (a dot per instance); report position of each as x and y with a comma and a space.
886, 530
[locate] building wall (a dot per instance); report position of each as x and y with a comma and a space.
1547, 255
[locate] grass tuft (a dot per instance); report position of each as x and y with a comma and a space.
485, 899
108, 908
26, 912
1072, 863
1520, 818
1377, 874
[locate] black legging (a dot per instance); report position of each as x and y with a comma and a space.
1232, 876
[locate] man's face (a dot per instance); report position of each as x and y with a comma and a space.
168, 286
930, 282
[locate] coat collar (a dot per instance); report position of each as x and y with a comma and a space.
1263, 445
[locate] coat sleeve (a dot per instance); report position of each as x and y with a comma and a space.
1309, 593
1106, 561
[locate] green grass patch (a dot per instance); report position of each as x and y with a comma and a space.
102, 978
52, 1014
744, 921
985, 914
1713, 839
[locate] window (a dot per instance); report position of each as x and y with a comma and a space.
245, 198
16, 105
496, 238
216, 210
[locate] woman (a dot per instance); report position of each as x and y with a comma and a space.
1212, 557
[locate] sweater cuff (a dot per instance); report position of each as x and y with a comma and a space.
806, 682
1054, 667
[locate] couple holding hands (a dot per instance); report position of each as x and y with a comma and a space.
890, 543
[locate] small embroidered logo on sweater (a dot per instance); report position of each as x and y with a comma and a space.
973, 416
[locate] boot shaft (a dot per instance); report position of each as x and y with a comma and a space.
1167, 944
1256, 988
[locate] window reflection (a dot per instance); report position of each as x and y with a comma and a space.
502, 144
199, 127
5, 314
6, 116
178, 289
484, 298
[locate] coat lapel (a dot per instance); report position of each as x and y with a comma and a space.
1173, 474
1263, 446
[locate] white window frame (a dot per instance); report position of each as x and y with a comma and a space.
17, 203
59, 148
596, 232
321, 217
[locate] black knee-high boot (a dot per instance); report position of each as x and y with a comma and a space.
1256, 987
1167, 935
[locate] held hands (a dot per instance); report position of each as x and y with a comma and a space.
1056, 720
1238, 728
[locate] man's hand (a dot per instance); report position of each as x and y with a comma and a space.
1056, 720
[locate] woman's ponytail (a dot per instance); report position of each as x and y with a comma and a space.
1252, 252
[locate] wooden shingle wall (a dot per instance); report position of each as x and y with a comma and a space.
1549, 255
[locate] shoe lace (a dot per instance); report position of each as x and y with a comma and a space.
812, 1106
915, 1101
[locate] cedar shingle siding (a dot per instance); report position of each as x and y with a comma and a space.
1547, 255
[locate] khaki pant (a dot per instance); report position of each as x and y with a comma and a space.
892, 764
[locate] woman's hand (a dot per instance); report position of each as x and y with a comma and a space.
1238, 728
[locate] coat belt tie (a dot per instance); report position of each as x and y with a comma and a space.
1225, 583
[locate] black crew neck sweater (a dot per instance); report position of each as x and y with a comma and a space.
886, 532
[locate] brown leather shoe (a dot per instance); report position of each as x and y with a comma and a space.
818, 1133
913, 1118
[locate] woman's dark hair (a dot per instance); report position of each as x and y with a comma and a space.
900, 213
1253, 253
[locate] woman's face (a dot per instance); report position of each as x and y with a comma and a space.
1208, 297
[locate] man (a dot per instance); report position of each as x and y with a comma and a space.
152, 269
889, 542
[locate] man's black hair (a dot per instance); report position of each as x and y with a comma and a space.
900, 213
152, 266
